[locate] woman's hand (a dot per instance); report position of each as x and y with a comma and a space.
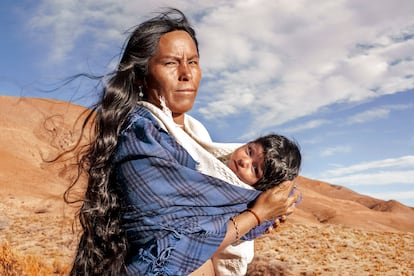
271, 204
276, 202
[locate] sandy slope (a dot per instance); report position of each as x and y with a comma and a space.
335, 231
329, 249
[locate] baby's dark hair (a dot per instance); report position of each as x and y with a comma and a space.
282, 160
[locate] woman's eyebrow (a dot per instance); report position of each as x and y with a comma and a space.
177, 56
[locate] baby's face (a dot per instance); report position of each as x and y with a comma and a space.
247, 163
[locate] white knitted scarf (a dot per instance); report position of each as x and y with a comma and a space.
195, 139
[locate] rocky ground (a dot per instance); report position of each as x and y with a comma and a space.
43, 231
326, 249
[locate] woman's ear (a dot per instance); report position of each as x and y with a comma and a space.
139, 83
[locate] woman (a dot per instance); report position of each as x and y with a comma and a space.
153, 204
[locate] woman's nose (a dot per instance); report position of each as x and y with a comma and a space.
184, 73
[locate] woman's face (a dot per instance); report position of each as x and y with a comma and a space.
247, 163
174, 72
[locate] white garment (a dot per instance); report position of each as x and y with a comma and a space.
233, 260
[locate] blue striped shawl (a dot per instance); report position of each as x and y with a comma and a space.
174, 216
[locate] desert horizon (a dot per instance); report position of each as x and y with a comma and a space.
334, 231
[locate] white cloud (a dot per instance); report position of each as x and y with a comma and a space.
317, 54
305, 126
374, 178
273, 60
369, 115
62, 24
390, 163
395, 195
377, 113
335, 150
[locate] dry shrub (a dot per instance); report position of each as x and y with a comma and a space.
268, 267
13, 263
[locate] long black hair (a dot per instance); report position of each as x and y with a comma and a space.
103, 245
282, 160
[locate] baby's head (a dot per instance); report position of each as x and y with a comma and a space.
281, 160
266, 162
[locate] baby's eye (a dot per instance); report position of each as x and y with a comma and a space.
249, 150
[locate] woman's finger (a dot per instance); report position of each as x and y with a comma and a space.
284, 188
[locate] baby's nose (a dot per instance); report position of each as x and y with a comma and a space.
243, 162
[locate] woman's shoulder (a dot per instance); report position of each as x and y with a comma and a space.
139, 133
139, 117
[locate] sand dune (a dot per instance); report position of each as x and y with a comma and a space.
335, 231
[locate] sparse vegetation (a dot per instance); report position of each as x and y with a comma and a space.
36, 238
327, 249
14, 263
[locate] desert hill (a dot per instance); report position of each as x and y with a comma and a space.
34, 219
326, 203
34, 131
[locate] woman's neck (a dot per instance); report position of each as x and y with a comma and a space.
179, 119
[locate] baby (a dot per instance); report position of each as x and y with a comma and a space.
266, 162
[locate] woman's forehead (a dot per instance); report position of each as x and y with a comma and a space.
176, 42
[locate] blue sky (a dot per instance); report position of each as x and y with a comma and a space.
337, 76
